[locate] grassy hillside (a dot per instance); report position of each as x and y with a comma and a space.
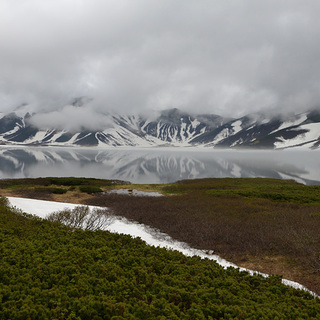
263, 224
48, 271
267, 225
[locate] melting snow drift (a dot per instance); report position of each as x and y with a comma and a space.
151, 236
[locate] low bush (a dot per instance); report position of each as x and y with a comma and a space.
243, 220
73, 181
82, 217
237, 218
68, 181
90, 189
59, 190
50, 271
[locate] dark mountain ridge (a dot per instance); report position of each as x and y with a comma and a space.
172, 127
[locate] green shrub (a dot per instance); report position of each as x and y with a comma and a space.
58, 190
73, 181
90, 189
50, 271
68, 181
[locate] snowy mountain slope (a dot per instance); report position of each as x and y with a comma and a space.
239, 131
178, 128
307, 134
267, 133
171, 128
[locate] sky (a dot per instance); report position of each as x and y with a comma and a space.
206, 56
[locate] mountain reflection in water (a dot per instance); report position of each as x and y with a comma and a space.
158, 165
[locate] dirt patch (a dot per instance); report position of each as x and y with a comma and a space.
8, 193
72, 197
68, 197
269, 264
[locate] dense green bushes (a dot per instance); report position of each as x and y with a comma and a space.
243, 220
59, 181
72, 181
48, 271
90, 189
273, 189
252, 222
44, 187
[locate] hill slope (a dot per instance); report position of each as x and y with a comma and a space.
50, 271
171, 128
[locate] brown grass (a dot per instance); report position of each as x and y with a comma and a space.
45, 194
275, 237
267, 236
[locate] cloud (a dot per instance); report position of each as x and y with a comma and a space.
72, 118
225, 57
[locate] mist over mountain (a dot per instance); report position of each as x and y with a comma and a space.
230, 58
78, 124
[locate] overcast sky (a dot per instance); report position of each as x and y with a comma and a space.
228, 57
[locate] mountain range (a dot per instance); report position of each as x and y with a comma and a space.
172, 127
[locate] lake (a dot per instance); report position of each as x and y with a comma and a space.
162, 165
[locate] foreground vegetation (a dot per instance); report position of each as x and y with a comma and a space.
262, 224
267, 225
50, 271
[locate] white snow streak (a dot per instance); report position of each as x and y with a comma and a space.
310, 136
237, 126
121, 225
290, 123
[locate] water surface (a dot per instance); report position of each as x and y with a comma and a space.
158, 165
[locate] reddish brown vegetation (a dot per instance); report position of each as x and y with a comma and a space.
265, 224
237, 228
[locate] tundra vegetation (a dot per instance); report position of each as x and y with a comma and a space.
52, 271
265, 224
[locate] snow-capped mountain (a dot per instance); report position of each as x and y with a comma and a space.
171, 128
260, 131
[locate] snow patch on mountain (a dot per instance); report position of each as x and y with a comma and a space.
292, 122
236, 126
171, 128
310, 137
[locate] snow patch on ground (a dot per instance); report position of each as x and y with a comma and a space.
40, 208
121, 225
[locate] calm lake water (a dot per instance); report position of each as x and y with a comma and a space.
158, 165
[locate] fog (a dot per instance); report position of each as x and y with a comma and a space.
225, 57
158, 166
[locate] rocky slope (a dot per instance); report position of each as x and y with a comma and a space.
172, 128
